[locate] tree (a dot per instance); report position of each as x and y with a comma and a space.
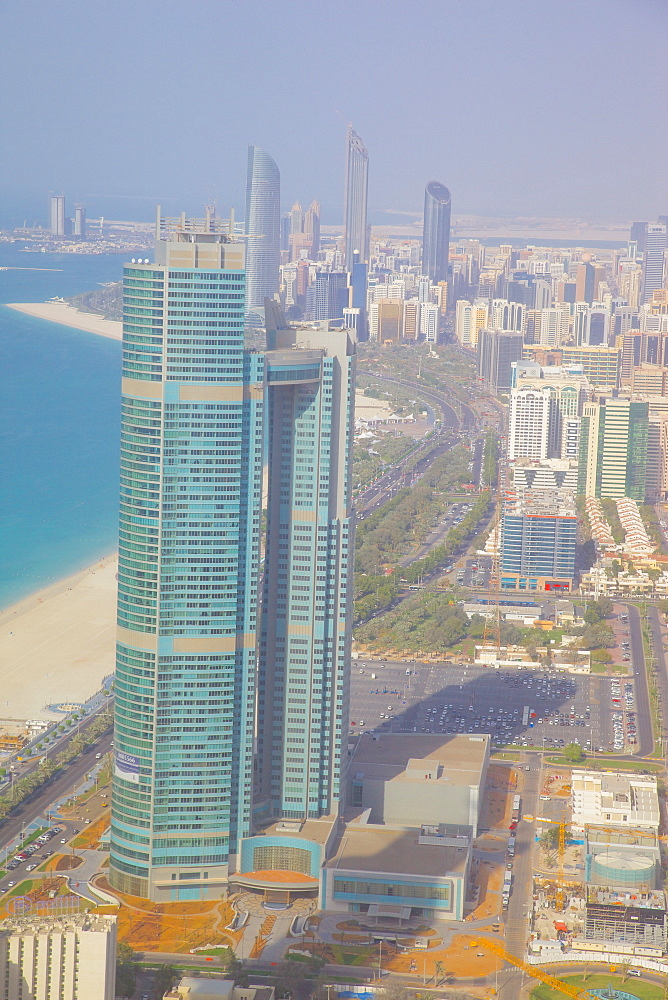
164, 980
236, 971
549, 838
573, 752
126, 970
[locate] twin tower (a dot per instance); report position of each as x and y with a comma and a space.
233, 636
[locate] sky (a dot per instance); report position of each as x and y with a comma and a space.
520, 107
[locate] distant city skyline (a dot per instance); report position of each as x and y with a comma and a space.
561, 131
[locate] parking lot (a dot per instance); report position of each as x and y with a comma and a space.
518, 707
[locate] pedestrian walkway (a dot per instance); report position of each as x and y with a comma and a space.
78, 879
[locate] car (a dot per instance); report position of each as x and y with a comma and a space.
64, 840
30, 868
513, 825
10, 885
636, 973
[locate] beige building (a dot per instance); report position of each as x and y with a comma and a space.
407, 779
628, 800
198, 988
58, 958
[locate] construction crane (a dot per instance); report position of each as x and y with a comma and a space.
533, 970
561, 853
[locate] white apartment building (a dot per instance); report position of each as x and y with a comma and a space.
529, 431
429, 322
58, 958
470, 319
629, 800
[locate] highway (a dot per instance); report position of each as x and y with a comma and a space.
449, 412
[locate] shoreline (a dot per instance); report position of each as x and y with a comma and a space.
58, 643
67, 315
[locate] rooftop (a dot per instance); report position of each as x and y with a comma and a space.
401, 757
393, 850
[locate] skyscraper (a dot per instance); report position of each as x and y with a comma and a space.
305, 641
263, 230
296, 219
79, 220
191, 477
312, 227
538, 541
355, 232
654, 259
497, 349
613, 448
436, 232
57, 214
197, 409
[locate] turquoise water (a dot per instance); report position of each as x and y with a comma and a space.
59, 420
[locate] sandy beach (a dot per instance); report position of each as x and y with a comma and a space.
58, 644
67, 315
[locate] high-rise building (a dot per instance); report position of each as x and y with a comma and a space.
470, 319
613, 448
654, 259
538, 541
191, 480
600, 365
263, 231
296, 219
355, 233
307, 592
587, 279
79, 220
429, 314
497, 349
58, 958
329, 295
197, 411
312, 228
529, 426
436, 232
57, 214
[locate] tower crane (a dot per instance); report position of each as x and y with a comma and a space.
497, 948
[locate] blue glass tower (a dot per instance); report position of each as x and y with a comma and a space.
306, 622
191, 472
436, 232
263, 229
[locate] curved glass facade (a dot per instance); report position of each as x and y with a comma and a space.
191, 469
263, 228
436, 232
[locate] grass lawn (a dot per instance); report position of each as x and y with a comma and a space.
636, 987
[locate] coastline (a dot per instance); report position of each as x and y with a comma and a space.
57, 644
67, 315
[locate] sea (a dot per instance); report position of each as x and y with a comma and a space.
59, 425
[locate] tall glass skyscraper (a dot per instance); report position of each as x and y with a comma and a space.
263, 231
355, 231
191, 477
305, 642
198, 410
436, 232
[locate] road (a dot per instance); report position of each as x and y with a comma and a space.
60, 785
520, 898
450, 416
395, 478
643, 712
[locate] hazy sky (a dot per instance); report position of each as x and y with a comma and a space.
521, 107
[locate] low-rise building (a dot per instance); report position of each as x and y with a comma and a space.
601, 798
207, 988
